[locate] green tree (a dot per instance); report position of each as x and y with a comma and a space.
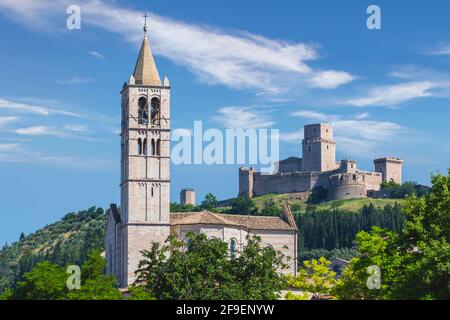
210, 202
271, 209
45, 282
315, 277
243, 205
200, 268
415, 262
7, 294
318, 194
96, 285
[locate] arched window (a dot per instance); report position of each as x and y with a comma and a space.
145, 147
309, 148
153, 149
233, 248
156, 112
142, 111
158, 147
139, 146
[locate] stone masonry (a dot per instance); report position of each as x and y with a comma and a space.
318, 168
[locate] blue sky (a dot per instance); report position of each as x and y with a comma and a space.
275, 64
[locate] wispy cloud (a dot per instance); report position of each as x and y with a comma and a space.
75, 80
331, 79
76, 128
67, 131
392, 95
7, 120
96, 55
243, 117
442, 49
14, 152
32, 108
237, 59
39, 131
295, 136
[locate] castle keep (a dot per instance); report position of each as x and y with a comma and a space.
144, 216
318, 168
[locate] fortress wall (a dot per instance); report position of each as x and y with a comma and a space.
372, 180
287, 183
347, 191
290, 165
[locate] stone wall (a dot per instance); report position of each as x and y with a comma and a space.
187, 196
291, 164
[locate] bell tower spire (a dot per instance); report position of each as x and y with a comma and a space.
145, 73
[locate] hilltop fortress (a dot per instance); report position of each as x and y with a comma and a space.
318, 168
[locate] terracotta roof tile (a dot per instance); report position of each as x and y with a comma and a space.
248, 222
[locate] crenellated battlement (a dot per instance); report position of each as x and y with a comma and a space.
318, 168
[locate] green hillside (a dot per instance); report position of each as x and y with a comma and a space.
65, 242
299, 205
70, 240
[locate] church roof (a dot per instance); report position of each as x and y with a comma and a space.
248, 222
145, 72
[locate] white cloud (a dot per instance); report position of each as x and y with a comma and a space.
96, 55
295, 136
331, 79
39, 131
9, 147
243, 117
16, 153
362, 115
35, 109
75, 80
235, 59
76, 128
366, 129
66, 131
395, 94
7, 120
309, 114
442, 50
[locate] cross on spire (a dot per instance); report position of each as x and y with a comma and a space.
145, 16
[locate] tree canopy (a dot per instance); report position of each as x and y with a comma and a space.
202, 269
414, 263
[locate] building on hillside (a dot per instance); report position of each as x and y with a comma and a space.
318, 168
144, 216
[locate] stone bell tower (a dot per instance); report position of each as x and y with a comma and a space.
145, 165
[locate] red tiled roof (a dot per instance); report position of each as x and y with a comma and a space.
248, 222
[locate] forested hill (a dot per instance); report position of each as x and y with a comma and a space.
327, 229
65, 242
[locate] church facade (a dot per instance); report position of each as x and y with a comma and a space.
144, 216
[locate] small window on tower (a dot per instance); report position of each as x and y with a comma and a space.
156, 112
142, 111
145, 147
152, 151
309, 148
139, 146
158, 147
